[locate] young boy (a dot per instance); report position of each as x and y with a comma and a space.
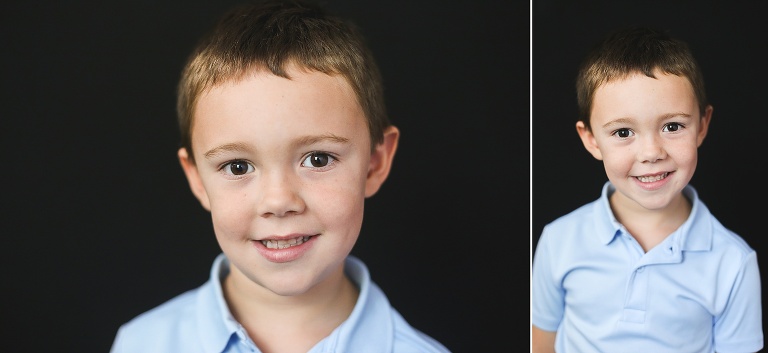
284, 134
646, 267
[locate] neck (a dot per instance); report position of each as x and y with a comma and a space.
651, 227
278, 323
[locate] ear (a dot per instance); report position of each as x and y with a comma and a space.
381, 161
704, 125
588, 139
193, 177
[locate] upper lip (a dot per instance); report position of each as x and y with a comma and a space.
285, 237
652, 174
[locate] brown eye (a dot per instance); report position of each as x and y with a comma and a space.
238, 168
623, 133
672, 127
318, 159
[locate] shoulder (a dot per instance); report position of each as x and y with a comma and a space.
193, 321
375, 323
584, 221
729, 240
408, 339
173, 318
593, 222
588, 230
596, 210
723, 238
170, 313
577, 216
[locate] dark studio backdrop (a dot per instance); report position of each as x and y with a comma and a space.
99, 224
728, 40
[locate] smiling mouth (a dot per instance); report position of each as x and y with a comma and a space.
283, 244
650, 179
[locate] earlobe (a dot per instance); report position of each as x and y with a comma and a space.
588, 139
193, 177
381, 161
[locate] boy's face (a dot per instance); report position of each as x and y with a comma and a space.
647, 132
284, 166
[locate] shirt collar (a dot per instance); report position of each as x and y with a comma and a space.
364, 327
606, 225
695, 234
367, 325
213, 311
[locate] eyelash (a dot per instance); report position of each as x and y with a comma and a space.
664, 129
327, 158
679, 126
226, 168
330, 161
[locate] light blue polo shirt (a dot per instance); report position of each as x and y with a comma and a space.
697, 291
200, 321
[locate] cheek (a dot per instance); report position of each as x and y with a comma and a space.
338, 204
686, 155
617, 160
231, 213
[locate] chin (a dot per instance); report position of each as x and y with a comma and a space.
289, 283
290, 289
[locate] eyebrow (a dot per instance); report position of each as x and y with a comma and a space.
312, 139
229, 147
302, 141
619, 121
624, 121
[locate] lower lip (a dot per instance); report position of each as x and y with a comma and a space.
652, 186
283, 255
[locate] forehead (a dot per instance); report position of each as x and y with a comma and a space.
266, 105
640, 95
261, 82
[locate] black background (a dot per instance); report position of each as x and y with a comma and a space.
99, 224
728, 40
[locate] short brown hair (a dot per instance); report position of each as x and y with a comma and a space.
635, 50
269, 35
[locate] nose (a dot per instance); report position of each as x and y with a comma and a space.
651, 149
280, 195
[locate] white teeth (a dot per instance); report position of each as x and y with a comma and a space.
282, 244
649, 179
